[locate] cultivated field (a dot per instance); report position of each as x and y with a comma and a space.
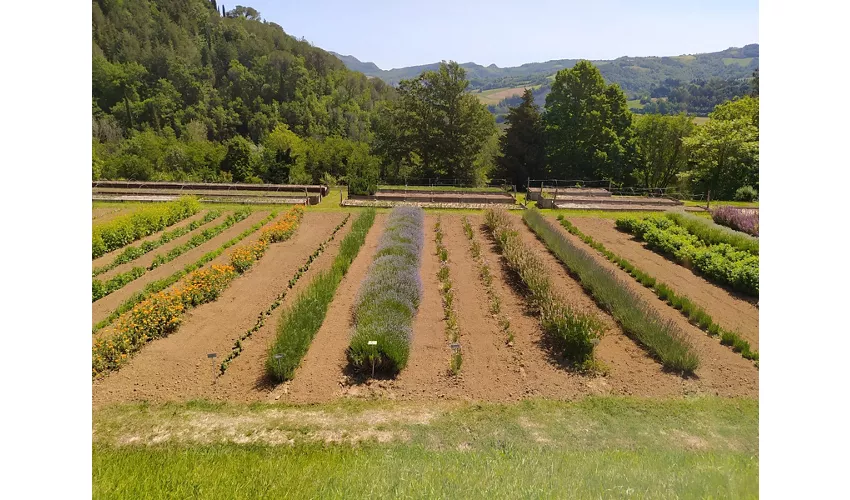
394, 322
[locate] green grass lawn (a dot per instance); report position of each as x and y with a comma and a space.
714, 204
635, 104
597, 447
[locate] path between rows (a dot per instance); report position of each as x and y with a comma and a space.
176, 367
103, 307
725, 307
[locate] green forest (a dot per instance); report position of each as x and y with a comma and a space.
189, 91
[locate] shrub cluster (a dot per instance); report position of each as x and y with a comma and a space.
120, 280
695, 314
134, 252
159, 285
711, 233
261, 319
739, 219
487, 278
721, 262
447, 293
300, 323
389, 296
662, 338
159, 315
573, 334
148, 220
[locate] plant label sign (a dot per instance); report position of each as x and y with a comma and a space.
211, 355
372, 342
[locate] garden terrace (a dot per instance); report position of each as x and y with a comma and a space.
437, 195
597, 199
209, 192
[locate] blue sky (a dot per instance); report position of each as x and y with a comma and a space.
509, 33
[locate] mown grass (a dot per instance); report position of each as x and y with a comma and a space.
300, 323
662, 338
599, 447
695, 314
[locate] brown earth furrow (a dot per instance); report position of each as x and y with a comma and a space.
721, 372
148, 258
176, 367
727, 309
245, 379
109, 257
103, 307
320, 376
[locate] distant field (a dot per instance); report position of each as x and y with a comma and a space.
743, 62
685, 59
635, 104
493, 96
700, 120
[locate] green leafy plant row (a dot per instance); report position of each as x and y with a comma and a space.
573, 334
695, 314
126, 229
486, 277
447, 294
389, 297
720, 262
637, 318
159, 285
161, 314
134, 252
712, 233
100, 289
261, 319
300, 322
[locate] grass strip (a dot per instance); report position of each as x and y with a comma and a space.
486, 277
572, 334
712, 233
100, 289
159, 285
300, 322
447, 294
261, 319
389, 296
134, 252
126, 229
637, 318
161, 314
695, 314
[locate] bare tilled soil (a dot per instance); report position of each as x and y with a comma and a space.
721, 372
103, 307
109, 257
321, 374
147, 259
177, 367
726, 308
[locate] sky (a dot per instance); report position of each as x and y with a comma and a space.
395, 34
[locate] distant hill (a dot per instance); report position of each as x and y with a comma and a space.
635, 75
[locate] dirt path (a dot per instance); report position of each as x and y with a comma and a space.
147, 259
103, 307
176, 367
722, 372
726, 308
109, 257
320, 376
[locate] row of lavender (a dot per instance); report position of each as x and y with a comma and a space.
389, 296
739, 219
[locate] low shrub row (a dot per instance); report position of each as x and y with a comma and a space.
695, 314
389, 296
261, 319
101, 289
300, 322
712, 234
739, 219
486, 276
720, 263
447, 293
637, 318
573, 334
134, 252
159, 285
126, 229
159, 315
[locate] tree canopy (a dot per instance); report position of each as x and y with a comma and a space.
522, 145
